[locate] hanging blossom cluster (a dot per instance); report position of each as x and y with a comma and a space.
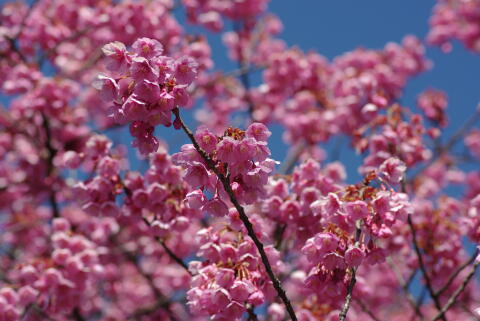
371, 211
60, 282
241, 156
209, 13
232, 278
214, 229
146, 87
455, 20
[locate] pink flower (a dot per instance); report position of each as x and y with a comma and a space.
357, 210
148, 91
142, 69
166, 101
216, 207
71, 159
185, 70
135, 109
434, 103
107, 86
148, 48
226, 150
333, 261
197, 175
258, 131
393, 170
354, 256
117, 59
206, 139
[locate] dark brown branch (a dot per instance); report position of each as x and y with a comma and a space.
77, 315
169, 251
12, 41
51, 152
353, 280
456, 294
458, 135
243, 216
426, 277
423, 268
251, 314
365, 309
173, 256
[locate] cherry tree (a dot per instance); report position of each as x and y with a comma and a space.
218, 229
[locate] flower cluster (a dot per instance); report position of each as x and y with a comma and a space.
394, 137
433, 103
159, 196
455, 19
208, 13
60, 282
144, 87
240, 156
231, 278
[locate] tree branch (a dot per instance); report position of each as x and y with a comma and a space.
162, 301
51, 152
365, 309
292, 157
456, 273
456, 294
426, 277
173, 256
243, 216
169, 251
251, 314
353, 280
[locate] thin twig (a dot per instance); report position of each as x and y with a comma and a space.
366, 309
423, 268
35, 308
77, 315
251, 314
243, 216
421, 263
14, 39
353, 280
463, 129
173, 256
450, 143
51, 152
456, 294
159, 296
404, 286
169, 251
292, 157
456, 273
